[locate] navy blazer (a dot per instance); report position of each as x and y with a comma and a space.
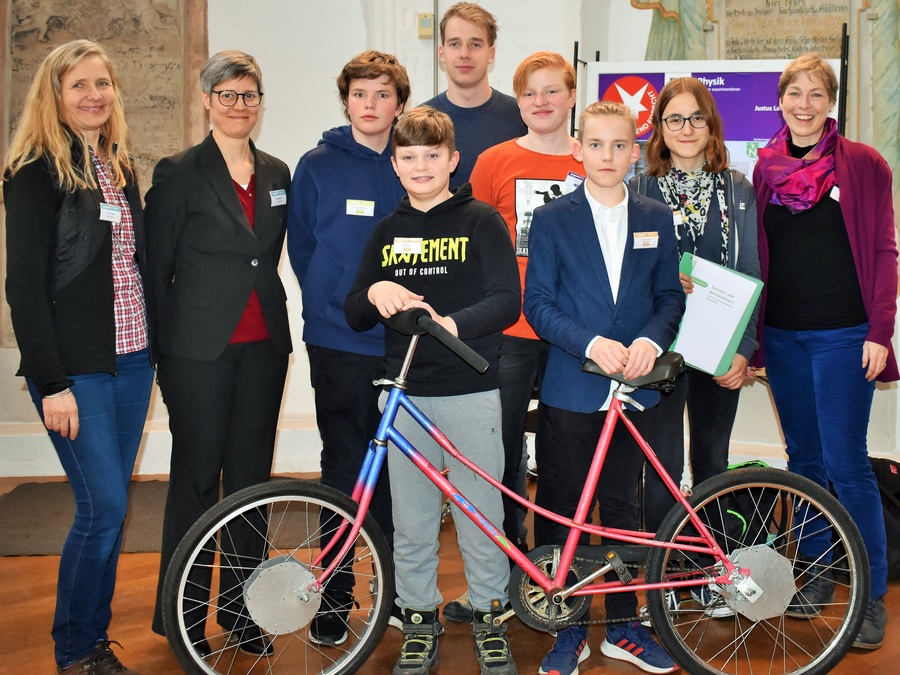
568, 299
204, 258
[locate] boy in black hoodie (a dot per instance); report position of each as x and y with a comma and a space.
450, 254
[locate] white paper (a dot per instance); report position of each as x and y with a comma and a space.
712, 314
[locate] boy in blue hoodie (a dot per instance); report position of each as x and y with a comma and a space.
340, 190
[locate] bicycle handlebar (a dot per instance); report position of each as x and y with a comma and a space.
454, 344
417, 321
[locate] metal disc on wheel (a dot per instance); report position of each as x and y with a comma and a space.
278, 598
772, 573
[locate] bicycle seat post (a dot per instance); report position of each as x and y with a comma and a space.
407, 361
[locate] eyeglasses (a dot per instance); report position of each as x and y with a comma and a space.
676, 122
228, 98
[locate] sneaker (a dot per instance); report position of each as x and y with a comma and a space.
329, 626
492, 646
570, 649
632, 643
251, 640
101, 662
459, 610
419, 652
817, 591
673, 603
871, 635
712, 602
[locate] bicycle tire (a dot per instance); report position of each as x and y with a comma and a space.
273, 593
787, 511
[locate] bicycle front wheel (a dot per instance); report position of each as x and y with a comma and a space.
788, 533
244, 575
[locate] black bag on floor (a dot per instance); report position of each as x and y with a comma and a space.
887, 473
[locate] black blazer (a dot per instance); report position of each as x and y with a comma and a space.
59, 281
204, 258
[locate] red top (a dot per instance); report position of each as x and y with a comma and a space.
252, 326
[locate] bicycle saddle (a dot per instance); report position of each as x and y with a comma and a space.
661, 377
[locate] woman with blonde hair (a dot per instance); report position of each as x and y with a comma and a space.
75, 269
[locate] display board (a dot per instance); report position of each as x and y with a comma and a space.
746, 94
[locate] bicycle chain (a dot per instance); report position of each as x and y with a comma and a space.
602, 622
630, 619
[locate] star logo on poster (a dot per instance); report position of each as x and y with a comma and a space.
639, 95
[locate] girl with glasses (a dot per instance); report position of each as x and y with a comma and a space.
714, 215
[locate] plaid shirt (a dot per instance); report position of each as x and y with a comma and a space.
130, 310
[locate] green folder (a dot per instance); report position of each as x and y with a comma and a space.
687, 267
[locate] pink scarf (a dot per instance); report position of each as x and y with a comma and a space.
799, 184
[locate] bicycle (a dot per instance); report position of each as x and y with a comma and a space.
737, 537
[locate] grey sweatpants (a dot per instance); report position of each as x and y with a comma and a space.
472, 423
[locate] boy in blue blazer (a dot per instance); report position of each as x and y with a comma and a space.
602, 283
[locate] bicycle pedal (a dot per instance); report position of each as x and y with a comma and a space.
619, 567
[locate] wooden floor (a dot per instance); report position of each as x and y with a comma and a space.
27, 592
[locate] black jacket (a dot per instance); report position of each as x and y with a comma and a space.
205, 260
59, 282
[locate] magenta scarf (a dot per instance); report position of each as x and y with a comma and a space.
799, 184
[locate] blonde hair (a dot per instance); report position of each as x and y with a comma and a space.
469, 11
606, 109
42, 130
814, 66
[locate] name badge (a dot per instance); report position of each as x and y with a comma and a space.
408, 245
573, 180
646, 239
836, 193
279, 197
110, 213
677, 219
360, 207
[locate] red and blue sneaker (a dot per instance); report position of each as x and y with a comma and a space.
632, 643
570, 649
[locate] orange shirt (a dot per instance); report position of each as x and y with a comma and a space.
515, 181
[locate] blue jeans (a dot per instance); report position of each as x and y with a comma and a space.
98, 463
823, 401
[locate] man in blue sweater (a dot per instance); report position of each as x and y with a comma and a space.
482, 116
340, 190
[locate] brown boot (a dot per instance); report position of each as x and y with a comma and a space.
101, 662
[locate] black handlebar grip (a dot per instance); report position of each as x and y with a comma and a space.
453, 343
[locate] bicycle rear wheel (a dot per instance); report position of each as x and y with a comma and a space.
216, 593
767, 521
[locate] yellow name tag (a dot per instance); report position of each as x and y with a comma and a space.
646, 239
